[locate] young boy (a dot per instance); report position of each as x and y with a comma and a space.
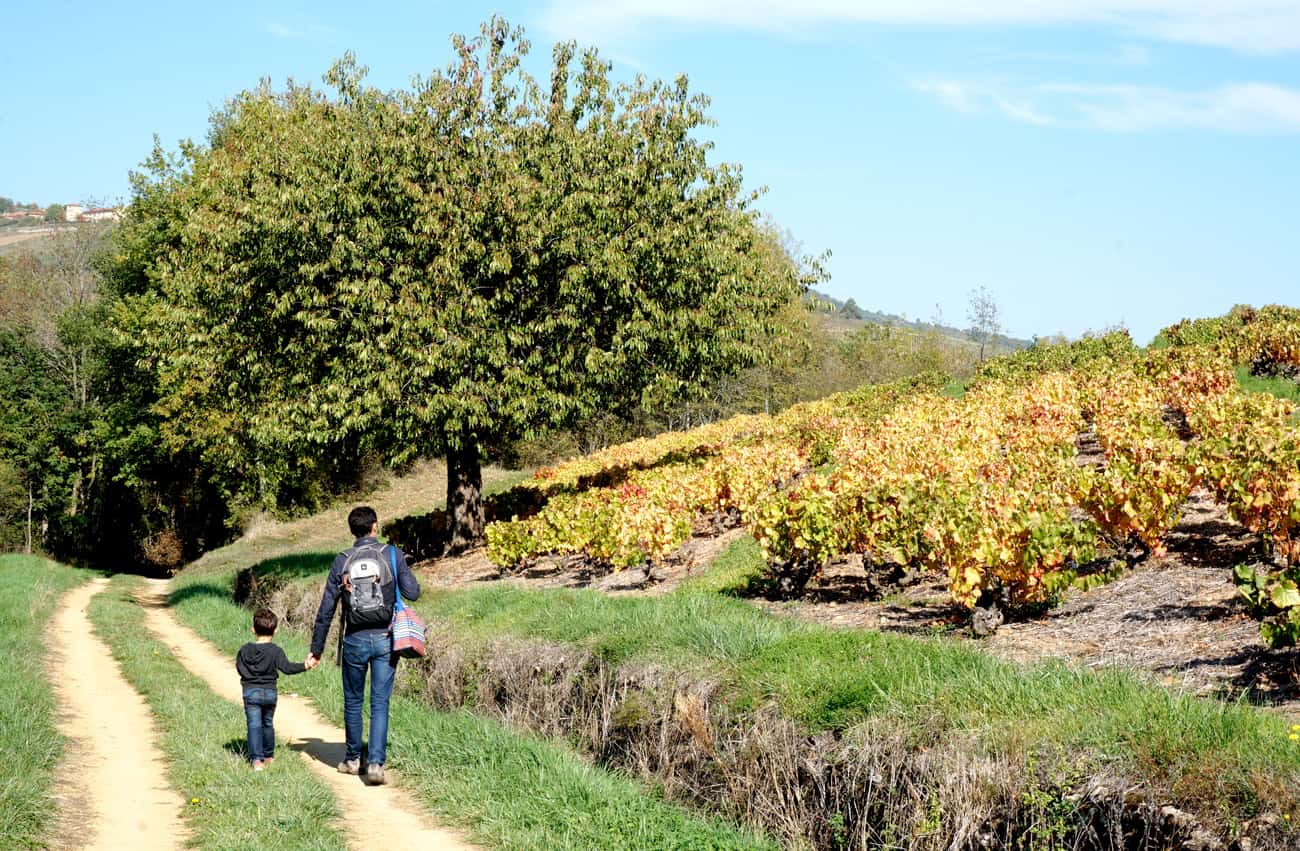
259, 663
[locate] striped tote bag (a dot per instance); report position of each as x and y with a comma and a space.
407, 629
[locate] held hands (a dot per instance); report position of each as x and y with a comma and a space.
311, 662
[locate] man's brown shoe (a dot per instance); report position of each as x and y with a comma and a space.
350, 766
375, 774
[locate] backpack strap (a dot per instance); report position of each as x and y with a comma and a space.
343, 615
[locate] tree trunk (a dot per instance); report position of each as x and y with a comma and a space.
76, 494
465, 521
30, 500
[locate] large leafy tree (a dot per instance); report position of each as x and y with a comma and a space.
439, 270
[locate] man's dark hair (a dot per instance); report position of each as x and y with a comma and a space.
265, 622
360, 519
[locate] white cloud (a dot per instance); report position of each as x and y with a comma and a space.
1260, 108
1256, 26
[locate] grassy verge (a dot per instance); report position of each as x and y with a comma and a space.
203, 737
417, 492
508, 790
1282, 388
29, 586
734, 572
1223, 756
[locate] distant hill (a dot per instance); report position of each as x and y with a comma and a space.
15, 240
847, 316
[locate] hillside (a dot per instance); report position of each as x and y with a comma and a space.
1126, 705
18, 240
759, 631
848, 316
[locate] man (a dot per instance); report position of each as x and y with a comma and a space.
365, 579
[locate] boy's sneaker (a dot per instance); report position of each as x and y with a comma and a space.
258, 765
350, 766
375, 774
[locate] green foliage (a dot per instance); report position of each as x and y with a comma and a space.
448, 267
1113, 347
13, 507
1209, 331
28, 738
76, 425
1274, 598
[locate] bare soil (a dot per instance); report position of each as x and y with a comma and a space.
579, 572
1176, 617
374, 817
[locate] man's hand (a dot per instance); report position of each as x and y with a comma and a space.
312, 661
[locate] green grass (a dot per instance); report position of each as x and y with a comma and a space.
930, 688
29, 587
203, 736
417, 492
1282, 388
955, 389
736, 570
508, 790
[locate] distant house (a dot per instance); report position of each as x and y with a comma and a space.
101, 214
13, 215
72, 212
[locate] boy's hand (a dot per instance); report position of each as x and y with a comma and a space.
312, 661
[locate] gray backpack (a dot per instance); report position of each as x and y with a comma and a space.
366, 578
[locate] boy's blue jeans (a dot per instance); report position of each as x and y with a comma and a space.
259, 709
373, 651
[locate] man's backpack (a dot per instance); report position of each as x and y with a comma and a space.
366, 578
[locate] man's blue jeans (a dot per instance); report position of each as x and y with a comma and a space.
373, 651
259, 710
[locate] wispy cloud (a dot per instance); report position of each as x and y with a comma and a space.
1255, 26
1259, 108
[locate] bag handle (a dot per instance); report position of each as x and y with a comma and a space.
397, 586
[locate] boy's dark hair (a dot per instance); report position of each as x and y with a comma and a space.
360, 519
265, 622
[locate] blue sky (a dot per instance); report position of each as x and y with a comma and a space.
1090, 162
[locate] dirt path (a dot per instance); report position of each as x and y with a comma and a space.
112, 777
374, 817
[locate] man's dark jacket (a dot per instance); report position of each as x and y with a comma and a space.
329, 601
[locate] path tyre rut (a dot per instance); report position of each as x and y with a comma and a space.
374, 817
114, 770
